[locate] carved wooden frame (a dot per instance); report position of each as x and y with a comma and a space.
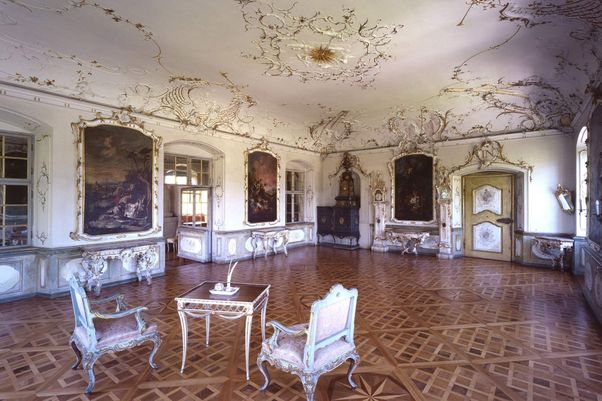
391, 167
261, 147
117, 119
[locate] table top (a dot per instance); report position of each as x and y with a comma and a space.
248, 293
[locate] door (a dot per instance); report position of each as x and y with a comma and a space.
488, 212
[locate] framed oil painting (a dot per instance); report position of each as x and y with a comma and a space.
118, 175
262, 186
412, 189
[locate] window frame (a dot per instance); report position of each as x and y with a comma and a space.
189, 171
196, 191
26, 182
581, 204
292, 194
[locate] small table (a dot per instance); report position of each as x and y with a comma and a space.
198, 302
408, 240
265, 236
553, 248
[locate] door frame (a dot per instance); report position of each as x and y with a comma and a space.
521, 201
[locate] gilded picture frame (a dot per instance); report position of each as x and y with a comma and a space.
117, 175
262, 186
413, 192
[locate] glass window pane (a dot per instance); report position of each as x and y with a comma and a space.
299, 207
205, 179
16, 235
15, 168
15, 146
205, 166
1, 194
16, 195
289, 177
181, 177
298, 181
15, 215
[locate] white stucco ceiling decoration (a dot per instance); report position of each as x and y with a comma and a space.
324, 76
315, 46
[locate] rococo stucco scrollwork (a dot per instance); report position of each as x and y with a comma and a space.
318, 76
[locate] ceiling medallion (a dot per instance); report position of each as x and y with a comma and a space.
322, 55
316, 47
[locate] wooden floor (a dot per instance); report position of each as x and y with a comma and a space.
426, 329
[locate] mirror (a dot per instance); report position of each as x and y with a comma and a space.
565, 199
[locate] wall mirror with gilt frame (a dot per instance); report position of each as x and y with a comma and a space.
117, 178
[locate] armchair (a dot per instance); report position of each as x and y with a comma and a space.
309, 350
97, 333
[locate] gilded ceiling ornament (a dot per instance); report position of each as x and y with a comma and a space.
530, 104
188, 101
418, 129
349, 161
331, 130
317, 47
488, 152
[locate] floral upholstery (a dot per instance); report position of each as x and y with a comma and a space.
112, 331
97, 333
308, 350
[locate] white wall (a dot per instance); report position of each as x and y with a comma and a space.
552, 156
61, 155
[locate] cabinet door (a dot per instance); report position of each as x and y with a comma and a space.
325, 219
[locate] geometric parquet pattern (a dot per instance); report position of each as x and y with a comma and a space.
427, 330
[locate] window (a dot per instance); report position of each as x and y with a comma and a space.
581, 205
15, 182
183, 170
295, 187
194, 210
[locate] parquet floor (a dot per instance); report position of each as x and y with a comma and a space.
466, 329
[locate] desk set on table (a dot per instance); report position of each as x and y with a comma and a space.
202, 302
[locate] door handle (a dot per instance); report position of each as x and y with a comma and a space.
505, 220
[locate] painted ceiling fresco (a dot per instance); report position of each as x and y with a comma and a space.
317, 75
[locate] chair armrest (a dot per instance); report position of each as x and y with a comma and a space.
279, 327
118, 298
117, 315
288, 330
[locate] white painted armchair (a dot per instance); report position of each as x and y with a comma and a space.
309, 350
98, 333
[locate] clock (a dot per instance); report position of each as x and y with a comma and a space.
378, 196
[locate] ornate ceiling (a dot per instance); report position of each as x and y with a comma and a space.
318, 75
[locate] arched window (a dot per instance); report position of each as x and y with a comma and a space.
582, 183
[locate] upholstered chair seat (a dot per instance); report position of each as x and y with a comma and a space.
309, 350
97, 333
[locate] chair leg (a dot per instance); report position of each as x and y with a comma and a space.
89, 361
309, 385
78, 354
260, 364
157, 343
355, 360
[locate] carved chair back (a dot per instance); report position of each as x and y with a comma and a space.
332, 319
81, 310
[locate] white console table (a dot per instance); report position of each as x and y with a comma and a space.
552, 248
96, 262
407, 240
267, 236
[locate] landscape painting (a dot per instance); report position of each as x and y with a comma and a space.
262, 187
413, 188
118, 180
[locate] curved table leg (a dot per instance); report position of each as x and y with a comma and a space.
184, 324
248, 325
